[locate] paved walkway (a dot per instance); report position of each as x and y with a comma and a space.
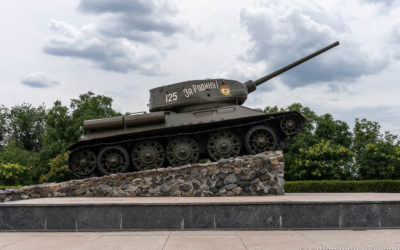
290, 197
322, 239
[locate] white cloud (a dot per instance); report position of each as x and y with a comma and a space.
125, 36
388, 3
396, 40
282, 32
138, 20
38, 80
242, 71
113, 54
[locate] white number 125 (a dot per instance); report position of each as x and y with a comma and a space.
169, 97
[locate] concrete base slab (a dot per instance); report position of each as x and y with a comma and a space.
321, 239
292, 211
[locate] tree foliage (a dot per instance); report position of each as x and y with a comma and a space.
59, 125
58, 170
14, 153
379, 161
318, 131
327, 149
377, 154
323, 161
365, 132
34, 137
338, 132
64, 126
3, 125
42, 160
89, 106
13, 174
27, 126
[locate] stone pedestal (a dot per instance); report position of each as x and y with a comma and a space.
260, 174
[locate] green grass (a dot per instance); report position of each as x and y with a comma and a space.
380, 186
5, 187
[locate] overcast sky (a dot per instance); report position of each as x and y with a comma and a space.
53, 50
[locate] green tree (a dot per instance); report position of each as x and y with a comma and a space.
367, 136
391, 138
3, 125
59, 125
14, 153
379, 161
323, 161
48, 152
64, 127
365, 132
304, 139
338, 132
27, 126
13, 174
377, 154
89, 106
34, 137
316, 130
16, 164
59, 134
58, 170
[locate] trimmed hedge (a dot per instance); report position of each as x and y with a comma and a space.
378, 186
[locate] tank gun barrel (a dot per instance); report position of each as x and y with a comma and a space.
251, 85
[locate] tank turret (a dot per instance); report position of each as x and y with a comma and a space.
213, 93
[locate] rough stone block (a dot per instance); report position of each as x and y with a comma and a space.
260, 174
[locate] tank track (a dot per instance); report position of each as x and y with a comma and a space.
181, 148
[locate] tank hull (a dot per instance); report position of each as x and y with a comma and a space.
194, 129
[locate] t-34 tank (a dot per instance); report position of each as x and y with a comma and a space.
187, 121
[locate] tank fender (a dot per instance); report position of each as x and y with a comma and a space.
141, 119
105, 123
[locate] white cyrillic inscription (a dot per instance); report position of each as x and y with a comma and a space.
188, 92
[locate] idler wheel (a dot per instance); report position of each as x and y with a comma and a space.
113, 160
260, 139
291, 124
182, 150
223, 144
82, 163
148, 154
